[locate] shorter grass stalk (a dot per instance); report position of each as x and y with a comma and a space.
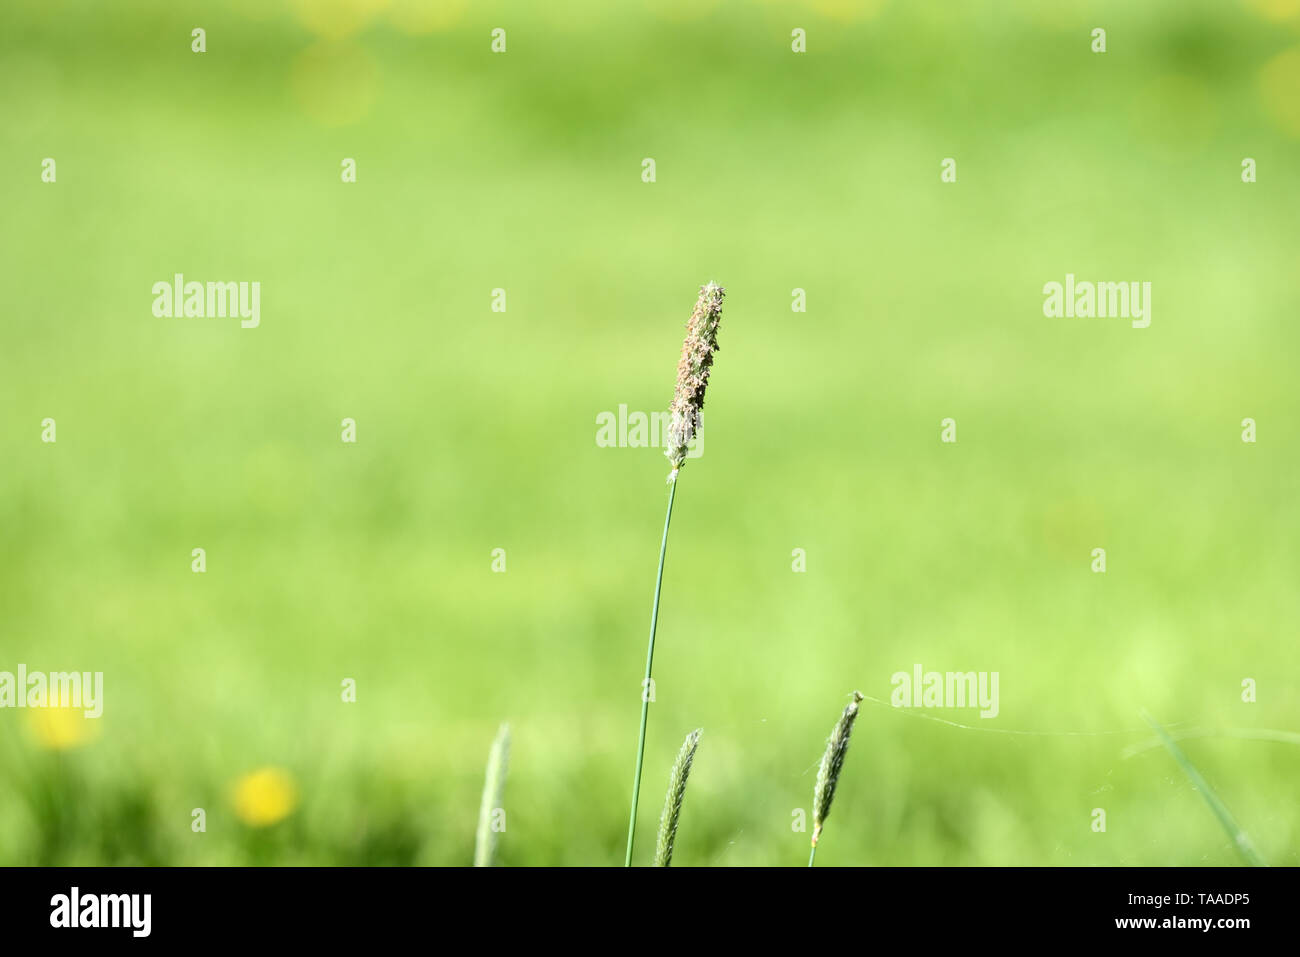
494, 786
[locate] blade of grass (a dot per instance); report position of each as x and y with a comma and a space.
494, 785
1247, 734
1240, 839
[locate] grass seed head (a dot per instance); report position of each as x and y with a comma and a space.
828, 775
673, 801
693, 373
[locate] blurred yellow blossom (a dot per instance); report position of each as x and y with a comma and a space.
265, 797
59, 729
1279, 88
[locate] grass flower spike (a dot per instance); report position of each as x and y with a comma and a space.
494, 786
828, 775
672, 812
693, 373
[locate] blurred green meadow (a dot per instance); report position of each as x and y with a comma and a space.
476, 428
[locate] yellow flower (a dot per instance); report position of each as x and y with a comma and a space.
265, 797
336, 19
1278, 79
58, 729
421, 16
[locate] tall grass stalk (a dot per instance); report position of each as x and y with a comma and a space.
828, 775
672, 811
494, 786
1240, 839
693, 369
645, 684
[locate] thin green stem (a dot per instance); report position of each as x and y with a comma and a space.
1220, 810
813, 856
645, 685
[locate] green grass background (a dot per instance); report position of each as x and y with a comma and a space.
476, 429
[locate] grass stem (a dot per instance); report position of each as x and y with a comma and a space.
1240, 839
645, 685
